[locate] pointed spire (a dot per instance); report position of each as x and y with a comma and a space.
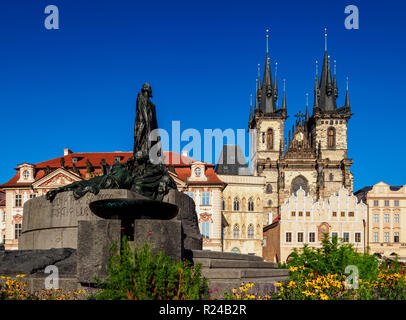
335, 88
284, 95
267, 101
316, 88
258, 93
307, 108
325, 39
275, 85
347, 97
327, 100
250, 118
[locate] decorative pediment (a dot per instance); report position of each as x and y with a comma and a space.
58, 178
197, 173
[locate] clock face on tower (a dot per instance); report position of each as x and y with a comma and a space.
198, 171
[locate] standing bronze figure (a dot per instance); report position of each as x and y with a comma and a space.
139, 174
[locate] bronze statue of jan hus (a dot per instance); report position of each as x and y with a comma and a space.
139, 173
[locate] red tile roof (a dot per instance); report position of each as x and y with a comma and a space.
180, 163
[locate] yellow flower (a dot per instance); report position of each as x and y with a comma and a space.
323, 296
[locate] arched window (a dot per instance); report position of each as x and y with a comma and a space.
331, 137
250, 204
236, 204
269, 139
235, 250
331, 177
269, 203
268, 188
297, 183
223, 205
250, 231
236, 231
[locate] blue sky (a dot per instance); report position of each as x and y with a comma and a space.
76, 87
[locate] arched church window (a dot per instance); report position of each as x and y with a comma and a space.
297, 183
269, 139
236, 231
268, 188
331, 138
236, 204
250, 231
223, 205
250, 204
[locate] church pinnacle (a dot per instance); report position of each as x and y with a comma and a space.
267, 99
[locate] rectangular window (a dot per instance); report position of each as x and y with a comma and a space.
33, 195
288, 236
205, 198
206, 230
346, 236
307, 213
19, 200
300, 213
396, 203
334, 235
376, 237
376, 203
351, 214
334, 214
396, 218
17, 229
386, 236
343, 213
312, 237
376, 218
358, 237
386, 218
396, 237
300, 237
293, 213
386, 203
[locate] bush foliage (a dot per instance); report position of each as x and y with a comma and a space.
140, 275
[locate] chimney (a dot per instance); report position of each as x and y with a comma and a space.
67, 151
184, 153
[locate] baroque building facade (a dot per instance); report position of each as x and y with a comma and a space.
386, 219
193, 177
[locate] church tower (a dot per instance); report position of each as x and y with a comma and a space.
313, 156
328, 127
266, 126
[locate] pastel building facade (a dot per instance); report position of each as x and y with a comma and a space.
305, 221
386, 218
193, 177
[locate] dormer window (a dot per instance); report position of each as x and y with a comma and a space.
74, 160
198, 171
26, 174
118, 159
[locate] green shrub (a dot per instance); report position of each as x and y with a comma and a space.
140, 275
333, 257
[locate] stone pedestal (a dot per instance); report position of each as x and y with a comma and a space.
165, 235
95, 239
187, 214
54, 224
